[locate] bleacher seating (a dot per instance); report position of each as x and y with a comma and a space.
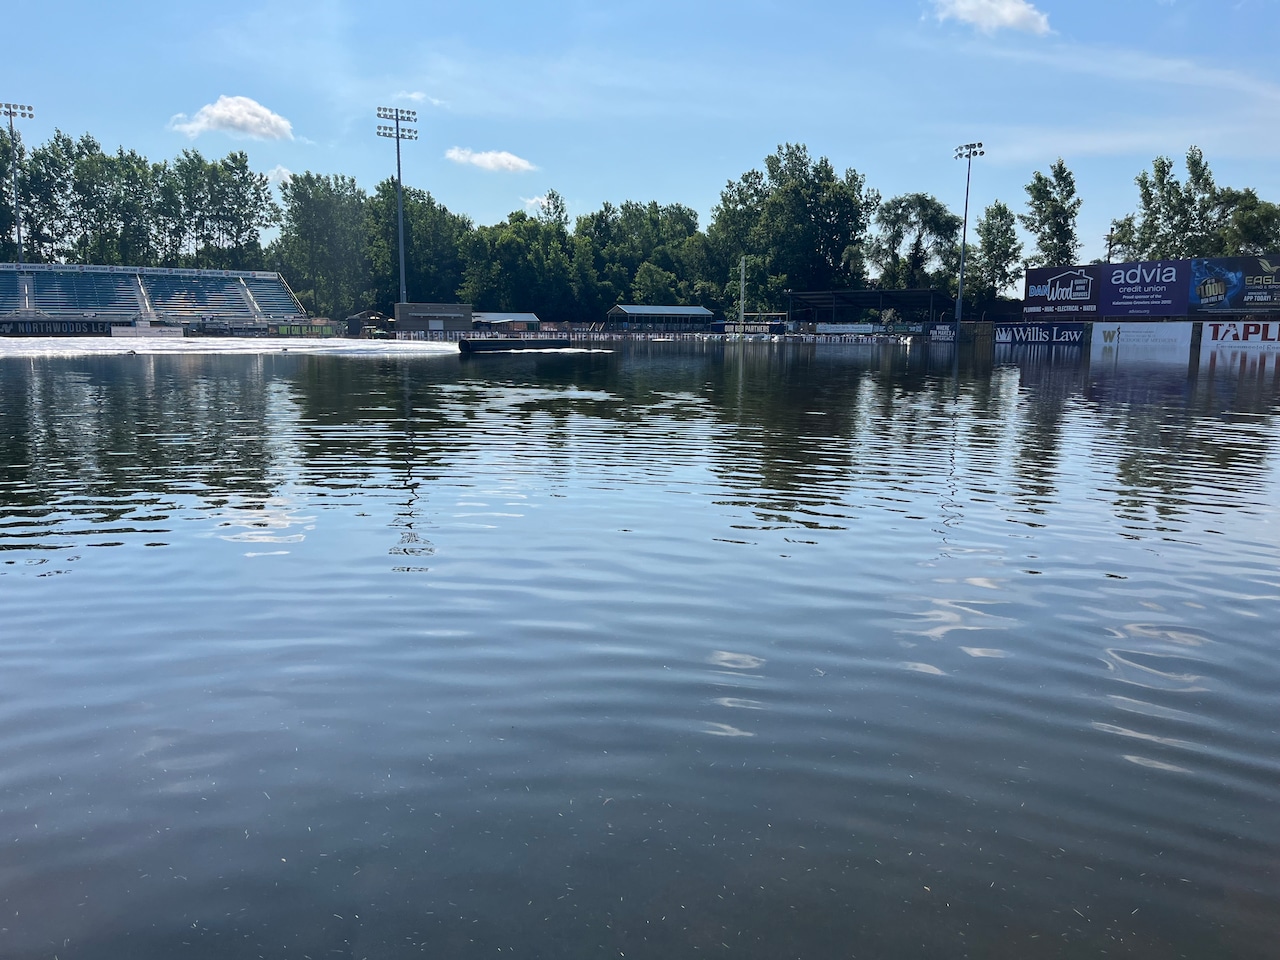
197, 296
236, 299
81, 293
10, 293
273, 297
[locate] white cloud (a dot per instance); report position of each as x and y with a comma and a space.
238, 116
534, 204
490, 160
992, 15
417, 96
279, 174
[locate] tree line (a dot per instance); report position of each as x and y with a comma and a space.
800, 224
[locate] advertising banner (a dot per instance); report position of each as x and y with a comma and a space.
1260, 335
1158, 288
1155, 289
1235, 285
1062, 292
1041, 334
55, 328
1118, 342
847, 327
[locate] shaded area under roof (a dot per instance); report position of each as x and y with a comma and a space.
824, 306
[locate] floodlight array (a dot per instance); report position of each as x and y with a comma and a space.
967, 151
405, 133
20, 110
395, 113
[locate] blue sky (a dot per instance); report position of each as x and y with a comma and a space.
668, 100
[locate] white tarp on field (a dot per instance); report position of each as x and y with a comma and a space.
336, 346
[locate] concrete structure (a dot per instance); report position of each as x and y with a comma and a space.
416, 319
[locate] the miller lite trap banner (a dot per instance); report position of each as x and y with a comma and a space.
1161, 288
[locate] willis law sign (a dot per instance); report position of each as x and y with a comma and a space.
1161, 288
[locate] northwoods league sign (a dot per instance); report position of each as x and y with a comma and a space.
1163, 288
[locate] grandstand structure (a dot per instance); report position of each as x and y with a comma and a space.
44, 299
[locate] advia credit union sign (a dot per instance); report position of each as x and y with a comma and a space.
1156, 288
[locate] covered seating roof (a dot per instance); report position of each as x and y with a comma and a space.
644, 310
827, 302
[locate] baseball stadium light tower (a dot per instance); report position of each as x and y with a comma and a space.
398, 133
23, 111
965, 152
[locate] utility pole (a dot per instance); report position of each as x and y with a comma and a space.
24, 112
398, 133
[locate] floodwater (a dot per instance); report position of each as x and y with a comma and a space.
752, 651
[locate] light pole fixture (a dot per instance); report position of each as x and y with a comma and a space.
23, 112
398, 133
965, 152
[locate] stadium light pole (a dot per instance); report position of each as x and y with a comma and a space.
24, 112
965, 152
398, 133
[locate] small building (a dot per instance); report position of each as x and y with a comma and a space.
658, 319
498, 322
420, 320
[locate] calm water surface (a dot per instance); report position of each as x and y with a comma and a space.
744, 651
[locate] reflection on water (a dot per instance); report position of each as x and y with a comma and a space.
758, 649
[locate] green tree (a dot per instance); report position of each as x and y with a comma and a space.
916, 243
47, 205
612, 246
653, 285
997, 261
321, 249
1052, 207
132, 200
8, 244
521, 265
432, 238
1247, 226
800, 224
1177, 219
240, 205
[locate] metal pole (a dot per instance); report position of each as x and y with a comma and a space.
399, 133
404, 296
964, 235
17, 204
964, 152
26, 112
742, 293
